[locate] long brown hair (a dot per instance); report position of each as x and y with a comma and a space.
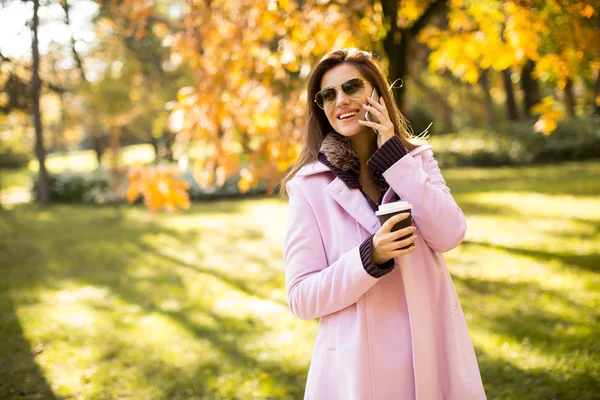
317, 126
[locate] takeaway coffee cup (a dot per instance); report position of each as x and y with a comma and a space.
387, 211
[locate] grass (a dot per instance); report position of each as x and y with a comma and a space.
98, 304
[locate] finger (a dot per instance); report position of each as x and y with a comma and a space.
370, 124
377, 105
397, 245
403, 232
378, 114
389, 224
400, 253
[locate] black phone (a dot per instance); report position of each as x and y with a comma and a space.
368, 116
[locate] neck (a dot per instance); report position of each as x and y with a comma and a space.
361, 143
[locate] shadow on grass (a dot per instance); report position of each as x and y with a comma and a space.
588, 262
20, 375
506, 381
240, 284
48, 248
476, 208
565, 341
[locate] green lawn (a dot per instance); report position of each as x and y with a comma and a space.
193, 305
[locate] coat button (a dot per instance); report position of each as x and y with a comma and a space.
455, 310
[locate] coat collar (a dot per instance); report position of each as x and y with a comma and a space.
317, 167
337, 155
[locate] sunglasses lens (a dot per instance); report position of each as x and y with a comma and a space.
353, 87
325, 98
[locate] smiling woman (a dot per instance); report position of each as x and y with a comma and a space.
390, 323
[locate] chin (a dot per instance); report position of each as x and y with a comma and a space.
349, 131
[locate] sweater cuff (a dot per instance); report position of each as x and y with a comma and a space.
375, 270
388, 154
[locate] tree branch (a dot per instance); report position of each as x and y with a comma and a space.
66, 7
426, 16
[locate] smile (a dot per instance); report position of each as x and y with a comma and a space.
347, 115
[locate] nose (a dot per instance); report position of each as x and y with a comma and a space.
340, 97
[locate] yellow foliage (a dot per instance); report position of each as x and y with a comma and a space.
588, 11
250, 60
550, 115
160, 188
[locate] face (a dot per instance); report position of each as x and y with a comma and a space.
345, 111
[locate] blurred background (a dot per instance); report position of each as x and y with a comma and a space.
141, 147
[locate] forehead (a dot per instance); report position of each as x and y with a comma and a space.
340, 74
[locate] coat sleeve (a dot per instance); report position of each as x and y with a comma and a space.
314, 287
440, 220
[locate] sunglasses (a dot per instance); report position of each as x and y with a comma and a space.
354, 87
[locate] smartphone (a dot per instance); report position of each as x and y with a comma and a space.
368, 116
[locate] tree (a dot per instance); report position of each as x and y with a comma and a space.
249, 60
40, 152
530, 87
558, 36
245, 104
401, 34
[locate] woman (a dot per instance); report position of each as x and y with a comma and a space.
391, 325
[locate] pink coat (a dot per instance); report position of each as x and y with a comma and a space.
402, 336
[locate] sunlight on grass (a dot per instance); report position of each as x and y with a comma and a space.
12, 180
193, 305
86, 160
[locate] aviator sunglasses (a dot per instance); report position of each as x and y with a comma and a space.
354, 87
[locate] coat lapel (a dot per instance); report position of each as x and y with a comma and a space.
355, 204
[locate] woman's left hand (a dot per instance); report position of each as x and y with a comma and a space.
384, 128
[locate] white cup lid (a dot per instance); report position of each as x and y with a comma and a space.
393, 207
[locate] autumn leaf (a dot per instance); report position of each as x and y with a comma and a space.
550, 115
159, 186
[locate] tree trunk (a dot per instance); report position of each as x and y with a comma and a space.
511, 106
597, 93
155, 146
168, 140
569, 98
398, 42
393, 44
40, 152
488, 103
99, 147
530, 87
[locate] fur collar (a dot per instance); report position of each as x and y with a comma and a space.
337, 150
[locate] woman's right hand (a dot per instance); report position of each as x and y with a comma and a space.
386, 244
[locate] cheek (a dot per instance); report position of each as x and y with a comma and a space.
330, 118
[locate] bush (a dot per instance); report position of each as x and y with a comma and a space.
94, 188
516, 144
228, 190
79, 187
13, 154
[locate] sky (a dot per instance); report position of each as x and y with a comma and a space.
15, 36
